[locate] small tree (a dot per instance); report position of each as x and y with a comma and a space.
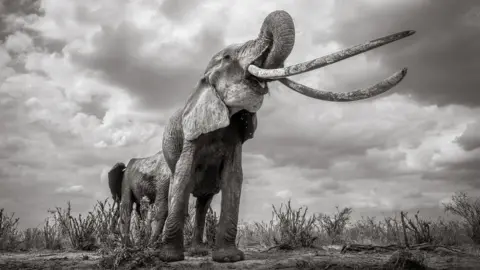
295, 228
33, 239
9, 234
469, 210
80, 230
335, 225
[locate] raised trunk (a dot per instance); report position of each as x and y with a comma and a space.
278, 31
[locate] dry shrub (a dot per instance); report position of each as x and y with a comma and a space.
80, 230
211, 222
142, 226
288, 229
335, 225
257, 233
10, 237
188, 226
33, 238
403, 259
106, 217
469, 210
131, 258
418, 229
295, 228
52, 233
449, 233
368, 230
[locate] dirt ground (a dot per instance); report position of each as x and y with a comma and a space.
325, 258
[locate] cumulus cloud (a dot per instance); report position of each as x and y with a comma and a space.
70, 190
284, 194
78, 95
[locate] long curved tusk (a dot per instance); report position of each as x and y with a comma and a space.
359, 94
326, 60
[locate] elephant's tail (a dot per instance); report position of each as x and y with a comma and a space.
115, 178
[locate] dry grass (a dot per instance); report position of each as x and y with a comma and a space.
335, 225
79, 230
289, 228
9, 234
469, 210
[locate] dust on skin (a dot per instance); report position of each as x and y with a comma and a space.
147, 165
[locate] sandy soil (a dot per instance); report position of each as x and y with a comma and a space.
327, 258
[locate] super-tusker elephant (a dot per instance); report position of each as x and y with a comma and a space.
202, 142
148, 176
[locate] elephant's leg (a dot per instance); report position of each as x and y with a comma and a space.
126, 207
116, 215
138, 210
225, 249
161, 209
173, 247
201, 208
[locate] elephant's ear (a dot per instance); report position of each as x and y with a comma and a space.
204, 112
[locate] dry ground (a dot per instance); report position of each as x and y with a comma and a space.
324, 258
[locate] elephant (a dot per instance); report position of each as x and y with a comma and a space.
202, 141
148, 176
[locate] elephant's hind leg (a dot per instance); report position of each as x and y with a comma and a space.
126, 207
201, 208
225, 249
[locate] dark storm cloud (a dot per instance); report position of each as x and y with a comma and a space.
50, 45
321, 153
334, 187
469, 174
10, 8
157, 83
317, 153
96, 106
414, 195
442, 56
10, 11
10, 146
470, 139
465, 169
177, 10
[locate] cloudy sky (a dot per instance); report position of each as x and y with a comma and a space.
84, 84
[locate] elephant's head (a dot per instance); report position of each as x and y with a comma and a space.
236, 77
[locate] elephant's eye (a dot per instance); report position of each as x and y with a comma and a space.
227, 57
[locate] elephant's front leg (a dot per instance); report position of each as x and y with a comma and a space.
173, 248
225, 249
161, 208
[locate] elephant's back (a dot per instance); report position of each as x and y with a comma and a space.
142, 175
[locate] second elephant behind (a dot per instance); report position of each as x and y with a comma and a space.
149, 176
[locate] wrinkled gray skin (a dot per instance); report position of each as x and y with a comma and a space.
149, 176
202, 142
